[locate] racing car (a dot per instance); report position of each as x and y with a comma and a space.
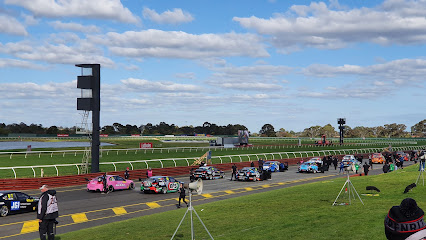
349, 159
16, 202
308, 167
377, 158
207, 172
160, 184
114, 182
273, 166
248, 173
315, 160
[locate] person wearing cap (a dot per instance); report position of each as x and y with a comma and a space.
47, 212
404, 220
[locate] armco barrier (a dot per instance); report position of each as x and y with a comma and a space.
61, 181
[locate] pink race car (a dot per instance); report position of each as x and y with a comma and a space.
114, 182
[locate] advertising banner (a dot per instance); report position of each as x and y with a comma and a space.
145, 145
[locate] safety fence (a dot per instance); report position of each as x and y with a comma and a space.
75, 168
193, 149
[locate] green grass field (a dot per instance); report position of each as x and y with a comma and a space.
299, 212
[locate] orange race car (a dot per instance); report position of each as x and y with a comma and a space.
377, 158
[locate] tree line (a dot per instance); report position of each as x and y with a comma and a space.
393, 130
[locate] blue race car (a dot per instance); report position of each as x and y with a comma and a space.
273, 166
308, 167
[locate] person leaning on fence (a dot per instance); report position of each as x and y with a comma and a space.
47, 212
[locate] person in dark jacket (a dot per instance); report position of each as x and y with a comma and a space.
182, 195
366, 168
335, 163
386, 167
47, 213
234, 172
104, 183
126, 173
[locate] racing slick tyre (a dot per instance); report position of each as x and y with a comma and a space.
4, 210
132, 186
254, 179
110, 188
164, 190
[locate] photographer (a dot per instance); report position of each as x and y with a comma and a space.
47, 213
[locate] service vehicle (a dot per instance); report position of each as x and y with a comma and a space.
114, 182
377, 158
12, 202
308, 167
207, 172
160, 184
273, 166
248, 173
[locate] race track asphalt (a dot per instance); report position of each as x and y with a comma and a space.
80, 209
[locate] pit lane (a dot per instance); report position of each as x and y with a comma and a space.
80, 209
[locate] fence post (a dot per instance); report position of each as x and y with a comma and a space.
57, 171
14, 172
162, 166
78, 170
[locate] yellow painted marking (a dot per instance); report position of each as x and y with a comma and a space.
30, 226
207, 195
281, 183
266, 186
119, 210
249, 189
153, 205
79, 217
229, 192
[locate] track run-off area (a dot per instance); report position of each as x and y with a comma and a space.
79, 209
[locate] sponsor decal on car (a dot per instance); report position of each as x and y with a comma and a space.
14, 205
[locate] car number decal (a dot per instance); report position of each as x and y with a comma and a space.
14, 205
173, 185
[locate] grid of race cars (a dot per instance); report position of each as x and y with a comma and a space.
12, 202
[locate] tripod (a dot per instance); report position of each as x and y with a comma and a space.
350, 188
421, 171
190, 210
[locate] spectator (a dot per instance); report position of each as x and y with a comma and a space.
341, 168
335, 163
422, 159
386, 167
252, 163
366, 168
182, 195
404, 220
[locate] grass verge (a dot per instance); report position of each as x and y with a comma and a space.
299, 212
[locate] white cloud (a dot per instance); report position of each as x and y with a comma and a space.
30, 20
143, 85
99, 9
30, 90
188, 75
9, 25
8, 63
81, 51
316, 25
168, 17
408, 69
75, 27
255, 78
173, 44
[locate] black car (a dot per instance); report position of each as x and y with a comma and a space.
16, 202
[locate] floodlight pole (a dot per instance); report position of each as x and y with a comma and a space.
93, 104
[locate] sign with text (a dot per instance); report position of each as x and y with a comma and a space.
62, 135
103, 135
145, 145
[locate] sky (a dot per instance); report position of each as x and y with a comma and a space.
292, 64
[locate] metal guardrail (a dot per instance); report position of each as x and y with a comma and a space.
183, 149
267, 156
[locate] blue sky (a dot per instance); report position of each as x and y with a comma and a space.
293, 64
